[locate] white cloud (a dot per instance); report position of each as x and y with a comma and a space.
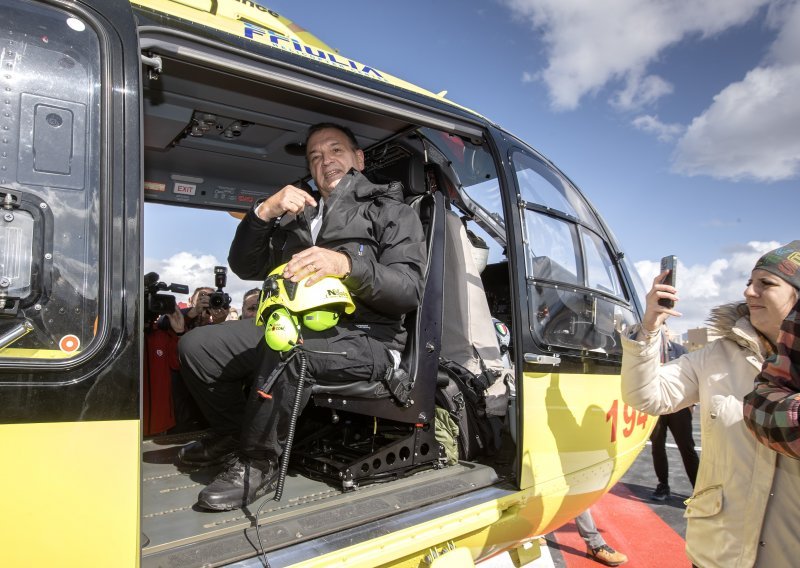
749, 131
701, 287
652, 125
785, 17
196, 271
640, 92
591, 44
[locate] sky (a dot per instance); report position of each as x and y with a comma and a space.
675, 118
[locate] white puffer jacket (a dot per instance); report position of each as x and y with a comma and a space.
732, 496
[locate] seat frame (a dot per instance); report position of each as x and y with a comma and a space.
402, 436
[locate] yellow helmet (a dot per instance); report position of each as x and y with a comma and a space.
298, 298
317, 306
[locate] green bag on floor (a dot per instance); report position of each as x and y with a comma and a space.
447, 435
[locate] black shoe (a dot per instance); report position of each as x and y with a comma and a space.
243, 481
211, 450
661, 493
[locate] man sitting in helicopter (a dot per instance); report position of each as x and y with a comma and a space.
360, 233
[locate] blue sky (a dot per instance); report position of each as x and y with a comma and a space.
679, 120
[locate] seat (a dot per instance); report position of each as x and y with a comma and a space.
469, 336
402, 438
468, 333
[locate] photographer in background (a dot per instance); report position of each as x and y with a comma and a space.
200, 312
168, 405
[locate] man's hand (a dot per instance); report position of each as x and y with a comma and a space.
200, 306
317, 263
290, 199
176, 321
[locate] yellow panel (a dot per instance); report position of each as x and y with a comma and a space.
260, 25
578, 439
37, 353
70, 494
484, 530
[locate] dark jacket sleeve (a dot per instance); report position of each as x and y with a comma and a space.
249, 255
392, 282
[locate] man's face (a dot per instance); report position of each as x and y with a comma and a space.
250, 306
330, 156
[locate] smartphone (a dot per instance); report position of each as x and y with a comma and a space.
669, 263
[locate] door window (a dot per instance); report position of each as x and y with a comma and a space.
576, 297
49, 183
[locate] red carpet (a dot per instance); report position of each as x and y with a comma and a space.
630, 526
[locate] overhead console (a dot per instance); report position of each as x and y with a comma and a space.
216, 140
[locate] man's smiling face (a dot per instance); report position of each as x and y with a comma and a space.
330, 156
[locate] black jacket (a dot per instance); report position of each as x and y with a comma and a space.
370, 223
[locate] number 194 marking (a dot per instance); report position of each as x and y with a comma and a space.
631, 416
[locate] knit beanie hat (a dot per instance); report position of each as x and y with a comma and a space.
783, 262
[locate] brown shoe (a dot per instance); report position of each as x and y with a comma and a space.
606, 555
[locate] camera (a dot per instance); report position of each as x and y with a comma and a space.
219, 299
156, 304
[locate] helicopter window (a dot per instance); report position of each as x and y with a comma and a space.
601, 274
553, 252
580, 320
473, 185
50, 188
576, 298
540, 184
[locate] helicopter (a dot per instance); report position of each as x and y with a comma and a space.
190, 104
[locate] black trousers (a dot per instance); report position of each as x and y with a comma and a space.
219, 361
680, 424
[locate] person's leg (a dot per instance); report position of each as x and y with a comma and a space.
681, 427
267, 419
658, 440
216, 360
588, 530
659, 450
596, 547
188, 417
349, 355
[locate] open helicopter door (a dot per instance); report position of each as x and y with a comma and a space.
578, 437
70, 187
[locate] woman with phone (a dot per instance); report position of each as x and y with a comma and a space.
745, 509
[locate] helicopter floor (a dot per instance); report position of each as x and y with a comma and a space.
177, 532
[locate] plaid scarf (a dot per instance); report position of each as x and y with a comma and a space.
772, 410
